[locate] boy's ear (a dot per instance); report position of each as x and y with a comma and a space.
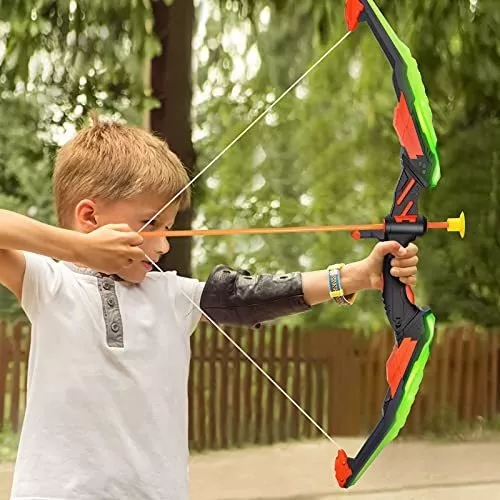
86, 216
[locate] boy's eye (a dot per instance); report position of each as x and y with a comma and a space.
151, 223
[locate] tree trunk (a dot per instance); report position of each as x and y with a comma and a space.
172, 86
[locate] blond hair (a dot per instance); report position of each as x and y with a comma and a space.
109, 161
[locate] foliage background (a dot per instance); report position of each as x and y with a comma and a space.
326, 155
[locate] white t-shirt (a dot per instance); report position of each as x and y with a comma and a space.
107, 407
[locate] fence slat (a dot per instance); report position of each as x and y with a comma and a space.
431, 386
259, 395
469, 377
321, 375
191, 406
201, 385
224, 394
445, 371
481, 390
308, 397
284, 405
4, 366
271, 390
237, 400
249, 406
296, 359
493, 374
369, 382
16, 378
457, 372
25, 358
212, 389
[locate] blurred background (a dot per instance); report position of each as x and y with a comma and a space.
196, 72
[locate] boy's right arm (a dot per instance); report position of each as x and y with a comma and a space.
18, 233
107, 249
12, 267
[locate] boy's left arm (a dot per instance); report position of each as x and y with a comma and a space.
365, 274
237, 298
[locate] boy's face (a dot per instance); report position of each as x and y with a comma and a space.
135, 212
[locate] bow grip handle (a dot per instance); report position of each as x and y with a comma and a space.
399, 300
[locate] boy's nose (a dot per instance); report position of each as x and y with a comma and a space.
162, 246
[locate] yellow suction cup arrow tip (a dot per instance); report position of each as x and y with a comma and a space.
457, 225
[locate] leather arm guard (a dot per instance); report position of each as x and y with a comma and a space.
237, 298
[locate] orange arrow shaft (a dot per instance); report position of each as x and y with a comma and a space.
437, 225
276, 230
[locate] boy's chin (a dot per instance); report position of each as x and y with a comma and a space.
134, 276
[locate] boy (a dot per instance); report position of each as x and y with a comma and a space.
107, 406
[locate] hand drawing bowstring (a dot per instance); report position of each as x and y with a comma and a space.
196, 177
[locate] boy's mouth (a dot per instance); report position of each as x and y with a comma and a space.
147, 265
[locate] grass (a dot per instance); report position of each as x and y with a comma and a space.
9, 441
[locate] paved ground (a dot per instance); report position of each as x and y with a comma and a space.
5, 480
405, 471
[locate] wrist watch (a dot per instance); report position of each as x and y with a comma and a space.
335, 286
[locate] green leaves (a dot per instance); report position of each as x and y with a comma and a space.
326, 154
463, 277
329, 152
91, 48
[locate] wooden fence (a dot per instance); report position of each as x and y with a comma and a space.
335, 375
14, 351
232, 403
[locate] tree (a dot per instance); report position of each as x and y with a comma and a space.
171, 81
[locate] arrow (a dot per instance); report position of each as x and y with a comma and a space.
451, 225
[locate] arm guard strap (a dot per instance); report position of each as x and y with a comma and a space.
233, 297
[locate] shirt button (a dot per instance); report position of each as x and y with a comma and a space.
111, 302
115, 327
106, 285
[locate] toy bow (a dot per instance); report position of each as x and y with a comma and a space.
413, 326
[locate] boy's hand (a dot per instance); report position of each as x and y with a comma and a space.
404, 264
110, 248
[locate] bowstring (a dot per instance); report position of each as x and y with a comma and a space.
246, 129
194, 179
255, 364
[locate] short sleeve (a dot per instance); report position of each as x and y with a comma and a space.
42, 279
191, 293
